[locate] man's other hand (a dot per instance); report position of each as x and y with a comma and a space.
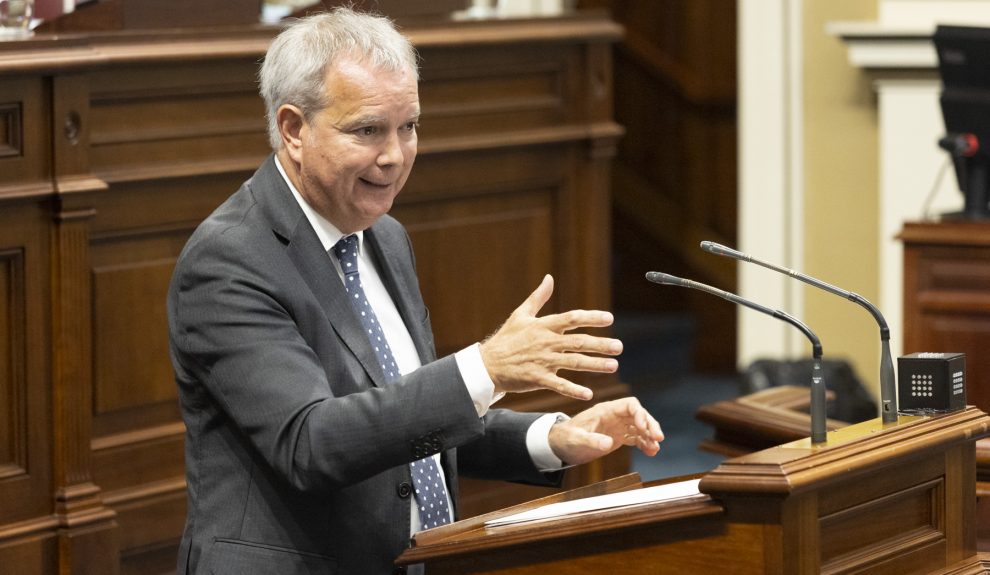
602, 428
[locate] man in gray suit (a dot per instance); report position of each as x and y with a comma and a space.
321, 429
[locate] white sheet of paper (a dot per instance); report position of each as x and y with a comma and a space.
668, 492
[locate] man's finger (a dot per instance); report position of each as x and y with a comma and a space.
568, 388
577, 318
584, 343
536, 300
648, 447
580, 362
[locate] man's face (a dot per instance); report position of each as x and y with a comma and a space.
354, 156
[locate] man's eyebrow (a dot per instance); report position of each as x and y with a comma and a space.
375, 120
369, 119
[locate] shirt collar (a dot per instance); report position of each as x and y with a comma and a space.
328, 233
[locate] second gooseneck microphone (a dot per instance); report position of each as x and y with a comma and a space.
818, 432
888, 389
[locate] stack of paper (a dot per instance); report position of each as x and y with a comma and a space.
668, 492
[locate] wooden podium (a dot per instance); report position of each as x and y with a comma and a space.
896, 498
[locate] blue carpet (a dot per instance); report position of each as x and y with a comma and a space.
674, 406
657, 366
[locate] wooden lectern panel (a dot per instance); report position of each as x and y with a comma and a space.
875, 498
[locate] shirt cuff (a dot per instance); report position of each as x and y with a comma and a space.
538, 443
476, 379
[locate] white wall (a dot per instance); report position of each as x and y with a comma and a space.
891, 67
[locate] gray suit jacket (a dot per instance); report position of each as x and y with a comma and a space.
296, 449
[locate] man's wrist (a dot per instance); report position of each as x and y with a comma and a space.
538, 442
476, 379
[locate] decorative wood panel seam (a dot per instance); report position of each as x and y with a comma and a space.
13, 315
11, 130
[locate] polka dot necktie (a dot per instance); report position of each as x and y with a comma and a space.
430, 491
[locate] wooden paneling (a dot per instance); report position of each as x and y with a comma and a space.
35, 554
674, 178
26, 525
113, 147
137, 374
452, 232
24, 161
148, 121
947, 309
947, 296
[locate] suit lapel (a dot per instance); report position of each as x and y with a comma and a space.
314, 266
398, 285
319, 274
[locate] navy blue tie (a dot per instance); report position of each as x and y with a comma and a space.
431, 493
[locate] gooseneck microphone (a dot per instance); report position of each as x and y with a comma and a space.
818, 434
888, 389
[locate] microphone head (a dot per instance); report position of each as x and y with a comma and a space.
720, 250
663, 279
717, 249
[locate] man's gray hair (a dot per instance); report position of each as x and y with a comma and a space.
294, 68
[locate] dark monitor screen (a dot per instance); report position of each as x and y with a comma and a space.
964, 65
963, 56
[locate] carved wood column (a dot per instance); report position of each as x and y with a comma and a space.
87, 537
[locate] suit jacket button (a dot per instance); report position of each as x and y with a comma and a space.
404, 490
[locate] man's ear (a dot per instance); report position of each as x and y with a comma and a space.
290, 127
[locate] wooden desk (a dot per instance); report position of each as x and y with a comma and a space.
876, 498
947, 308
114, 146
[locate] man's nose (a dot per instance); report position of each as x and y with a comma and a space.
391, 151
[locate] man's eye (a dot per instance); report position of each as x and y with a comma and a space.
411, 126
367, 131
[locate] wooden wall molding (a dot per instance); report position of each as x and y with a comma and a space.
608, 131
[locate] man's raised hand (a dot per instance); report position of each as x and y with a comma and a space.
526, 353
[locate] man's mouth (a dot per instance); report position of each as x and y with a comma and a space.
376, 184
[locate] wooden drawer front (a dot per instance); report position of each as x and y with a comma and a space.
25, 137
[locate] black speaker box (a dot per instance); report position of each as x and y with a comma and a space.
931, 382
